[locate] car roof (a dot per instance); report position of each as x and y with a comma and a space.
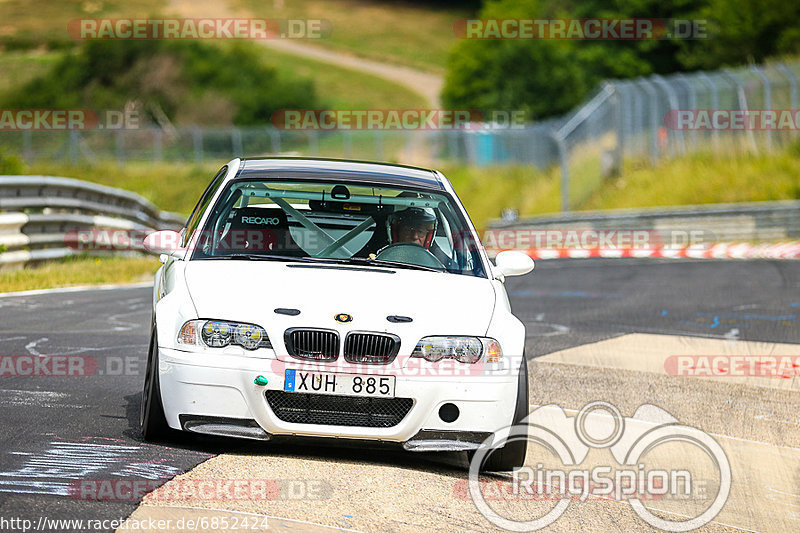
335, 170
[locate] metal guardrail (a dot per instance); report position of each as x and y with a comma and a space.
753, 222
40, 214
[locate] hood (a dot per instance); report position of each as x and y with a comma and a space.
250, 291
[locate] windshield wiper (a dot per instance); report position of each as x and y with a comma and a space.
336, 260
395, 264
264, 257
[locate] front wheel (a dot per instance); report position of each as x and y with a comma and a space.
151, 416
512, 455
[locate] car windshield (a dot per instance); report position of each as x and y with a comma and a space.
339, 222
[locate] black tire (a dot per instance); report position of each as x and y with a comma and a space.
152, 421
512, 455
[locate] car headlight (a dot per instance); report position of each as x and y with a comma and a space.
221, 333
462, 349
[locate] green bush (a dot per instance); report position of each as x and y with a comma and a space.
15, 43
191, 82
10, 164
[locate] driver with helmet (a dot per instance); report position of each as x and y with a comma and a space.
414, 225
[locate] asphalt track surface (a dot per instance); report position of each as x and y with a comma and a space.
57, 431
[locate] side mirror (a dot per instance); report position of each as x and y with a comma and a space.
165, 242
513, 263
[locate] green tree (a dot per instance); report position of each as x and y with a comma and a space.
540, 77
742, 31
549, 77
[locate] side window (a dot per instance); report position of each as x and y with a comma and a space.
202, 205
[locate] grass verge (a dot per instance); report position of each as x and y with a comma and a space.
21, 67
79, 270
410, 33
406, 33
337, 88
486, 191
340, 88
171, 186
33, 22
701, 178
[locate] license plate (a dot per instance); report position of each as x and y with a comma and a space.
341, 384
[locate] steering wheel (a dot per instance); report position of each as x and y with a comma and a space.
411, 253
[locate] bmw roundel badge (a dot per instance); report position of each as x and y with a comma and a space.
343, 318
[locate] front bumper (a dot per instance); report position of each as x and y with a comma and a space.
207, 389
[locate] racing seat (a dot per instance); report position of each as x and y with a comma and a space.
259, 230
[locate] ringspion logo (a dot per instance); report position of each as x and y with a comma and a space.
633, 477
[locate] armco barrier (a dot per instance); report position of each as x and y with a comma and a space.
752, 230
38, 212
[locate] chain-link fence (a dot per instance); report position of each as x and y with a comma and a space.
651, 118
531, 144
644, 118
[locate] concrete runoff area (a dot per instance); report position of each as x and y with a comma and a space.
696, 357
370, 491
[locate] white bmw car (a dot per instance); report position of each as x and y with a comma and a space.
335, 299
